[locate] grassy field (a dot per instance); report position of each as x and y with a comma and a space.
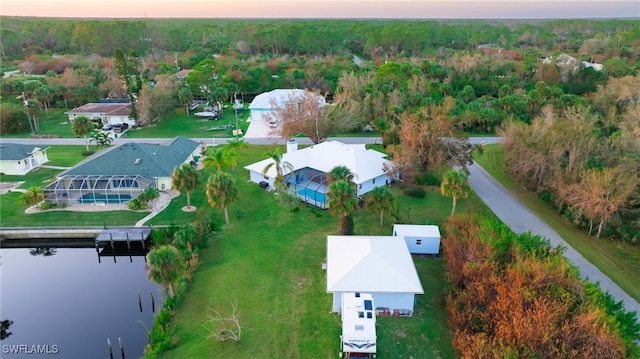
57, 124
269, 262
192, 126
619, 260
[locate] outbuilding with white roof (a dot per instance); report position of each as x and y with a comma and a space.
420, 239
379, 265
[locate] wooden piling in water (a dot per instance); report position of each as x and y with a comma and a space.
121, 347
153, 302
110, 349
140, 302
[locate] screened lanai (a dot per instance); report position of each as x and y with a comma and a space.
96, 189
309, 185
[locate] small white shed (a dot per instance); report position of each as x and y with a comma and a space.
420, 239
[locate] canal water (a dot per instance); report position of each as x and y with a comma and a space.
68, 304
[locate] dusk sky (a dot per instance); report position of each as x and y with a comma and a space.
424, 9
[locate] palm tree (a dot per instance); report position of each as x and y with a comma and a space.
44, 95
217, 157
81, 127
342, 202
102, 139
165, 266
380, 200
455, 184
340, 173
221, 192
233, 149
33, 196
186, 178
279, 165
185, 97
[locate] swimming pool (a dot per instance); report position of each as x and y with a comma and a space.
104, 198
312, 195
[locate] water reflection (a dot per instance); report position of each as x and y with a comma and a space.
4, 328
43, 251
75, 302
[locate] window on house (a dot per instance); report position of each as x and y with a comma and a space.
418, 241
360, 314
374, 181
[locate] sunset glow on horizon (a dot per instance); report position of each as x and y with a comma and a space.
413, 9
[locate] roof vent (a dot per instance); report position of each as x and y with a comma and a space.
137, 162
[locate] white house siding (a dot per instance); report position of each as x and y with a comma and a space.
117, 120
258, 177
401, 301
369, 185
428, 245
23, 166
164, 183
12, 167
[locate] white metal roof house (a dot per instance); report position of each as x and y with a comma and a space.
379, 265
16, 159
267, 102
119, 174
110, 112
310, 166
420, 239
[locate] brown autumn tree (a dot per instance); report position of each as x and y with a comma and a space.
305, 114
601, 194
428, 139
508, 301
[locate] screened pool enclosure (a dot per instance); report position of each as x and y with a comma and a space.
100, 190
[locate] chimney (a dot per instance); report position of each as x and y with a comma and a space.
292, 146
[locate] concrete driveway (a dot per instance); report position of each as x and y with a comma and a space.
517, 216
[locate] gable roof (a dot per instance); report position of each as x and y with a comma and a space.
364, 164
16, 152
276, 99
183, 73
141, 159
104, 109
371, 264
415, 230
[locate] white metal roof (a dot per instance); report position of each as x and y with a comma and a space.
364, 164
276, 99
371, 264
414, 230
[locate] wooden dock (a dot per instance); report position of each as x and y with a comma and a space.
123, 234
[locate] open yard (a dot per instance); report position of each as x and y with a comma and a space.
619, 260
269, 262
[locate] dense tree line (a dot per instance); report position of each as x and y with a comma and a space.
515, 296
585, 160
25, 36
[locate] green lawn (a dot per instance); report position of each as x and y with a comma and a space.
192, 126
269, 261
56, 125
619, 260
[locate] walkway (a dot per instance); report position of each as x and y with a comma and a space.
517, 216
158, 206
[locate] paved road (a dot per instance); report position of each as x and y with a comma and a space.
507, 207
212, 140
516, 215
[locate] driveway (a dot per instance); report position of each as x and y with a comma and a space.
517, 216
